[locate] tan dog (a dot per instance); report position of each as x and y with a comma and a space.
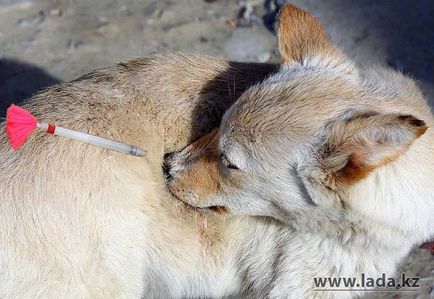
341, 156
78, 221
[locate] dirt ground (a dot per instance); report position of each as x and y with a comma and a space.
43, 42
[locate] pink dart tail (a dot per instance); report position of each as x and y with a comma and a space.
19, 125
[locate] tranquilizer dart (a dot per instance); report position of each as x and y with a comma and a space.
20, 124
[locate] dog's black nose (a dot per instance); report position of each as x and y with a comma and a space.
166, 167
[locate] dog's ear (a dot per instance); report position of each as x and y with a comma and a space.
356, 146
301, 36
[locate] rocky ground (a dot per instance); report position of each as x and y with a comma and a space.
47, 41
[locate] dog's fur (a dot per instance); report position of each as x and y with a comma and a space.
340, 156
77, 221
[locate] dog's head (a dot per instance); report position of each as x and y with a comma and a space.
304, 137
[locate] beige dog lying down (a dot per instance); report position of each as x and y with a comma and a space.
78, 221
339, 155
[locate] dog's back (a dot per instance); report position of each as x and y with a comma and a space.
79, 221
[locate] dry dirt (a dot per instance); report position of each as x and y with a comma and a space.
47, 41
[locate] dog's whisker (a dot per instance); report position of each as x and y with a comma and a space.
229, 88
234, 86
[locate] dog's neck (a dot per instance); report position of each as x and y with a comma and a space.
346, 246
400, 195
382, 220
396, 200
353, 242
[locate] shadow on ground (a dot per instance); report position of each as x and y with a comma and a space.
19, 81
404, 28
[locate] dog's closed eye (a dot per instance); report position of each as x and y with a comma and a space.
225, 161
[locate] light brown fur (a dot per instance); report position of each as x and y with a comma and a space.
79, 221
340, 155
301, 36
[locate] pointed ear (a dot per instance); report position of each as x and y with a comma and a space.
357, 146
301, 36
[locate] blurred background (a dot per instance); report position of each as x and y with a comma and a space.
43, 42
